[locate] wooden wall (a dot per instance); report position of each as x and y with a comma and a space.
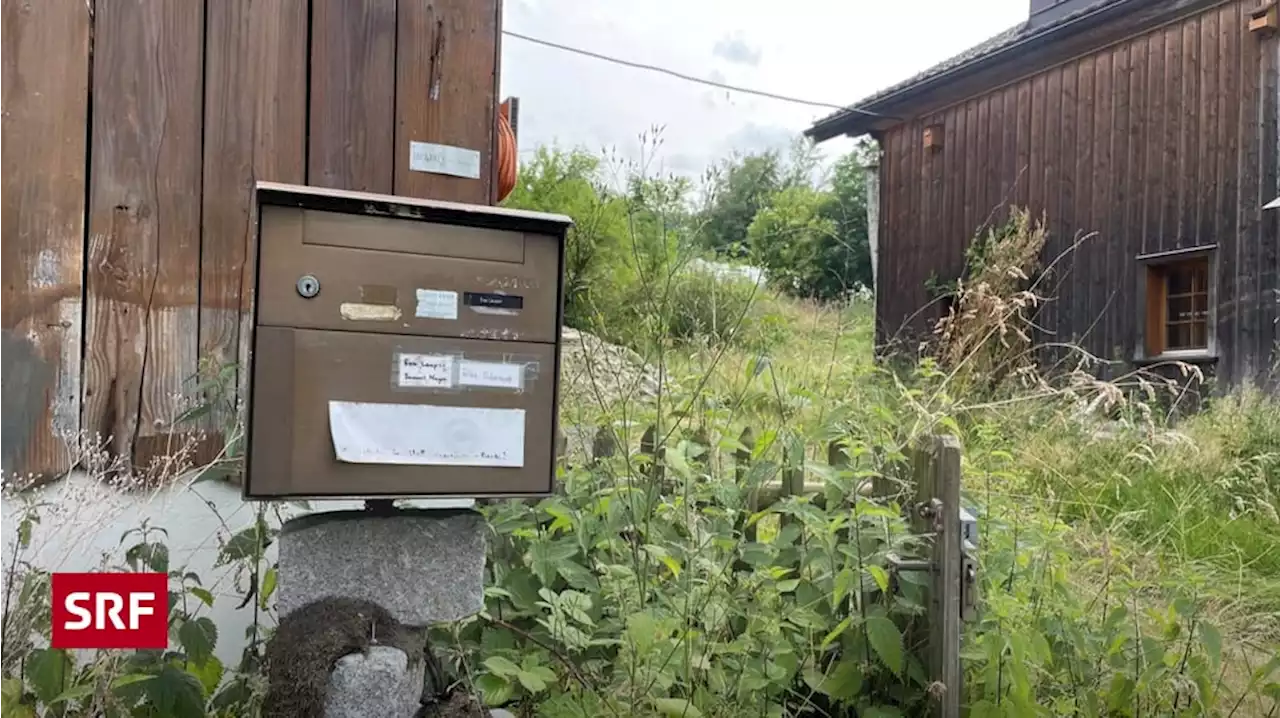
1166, 140
129, 159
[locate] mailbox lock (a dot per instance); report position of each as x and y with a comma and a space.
308, 286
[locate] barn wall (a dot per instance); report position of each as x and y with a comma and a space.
1164, 141
133, 132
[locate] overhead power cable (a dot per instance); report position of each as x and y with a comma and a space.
682, 76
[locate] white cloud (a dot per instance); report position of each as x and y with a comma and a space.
822, 50
737, 51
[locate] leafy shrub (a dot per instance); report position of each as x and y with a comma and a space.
187, 682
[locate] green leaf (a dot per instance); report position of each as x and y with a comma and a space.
545, 557
842, 683
13, 709
880, 576
642, 630
198, 636
47, 672
886, 641
495, 690
676, 708
501, 666
836, 632
843, 582
244, 545
881, 712
209, 673
536, 680
788, 586
175, 692
74, 693
268, 586
205, 597
1211, 639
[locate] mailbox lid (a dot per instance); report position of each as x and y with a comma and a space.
298, 373
407, 266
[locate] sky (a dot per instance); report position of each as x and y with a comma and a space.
828, 51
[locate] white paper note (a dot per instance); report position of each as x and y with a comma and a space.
428, 371
437, 304
444, 159
426, 435
497, 375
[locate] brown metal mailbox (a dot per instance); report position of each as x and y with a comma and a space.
402, 347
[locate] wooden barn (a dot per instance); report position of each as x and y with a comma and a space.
133, 132
1148, 126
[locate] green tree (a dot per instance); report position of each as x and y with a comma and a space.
813, 242
567, 182
787, 238
846, 255
740, 187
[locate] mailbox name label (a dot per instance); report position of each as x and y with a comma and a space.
425, 371
436, 304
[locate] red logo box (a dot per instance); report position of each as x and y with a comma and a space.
110, 610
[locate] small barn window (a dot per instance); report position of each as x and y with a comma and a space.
1179, 305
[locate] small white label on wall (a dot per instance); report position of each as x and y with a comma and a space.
444, 160
437, 304
496, 375
426, 371
426, 435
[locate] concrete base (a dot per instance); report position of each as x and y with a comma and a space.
381, 683
423, 566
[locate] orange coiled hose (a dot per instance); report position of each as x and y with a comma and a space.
506, 153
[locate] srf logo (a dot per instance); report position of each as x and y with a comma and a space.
110, 610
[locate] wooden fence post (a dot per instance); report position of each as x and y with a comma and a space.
649, 447
603, 446
936, 512
792, 475
741, 466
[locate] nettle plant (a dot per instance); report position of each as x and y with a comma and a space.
185, 681
632, 593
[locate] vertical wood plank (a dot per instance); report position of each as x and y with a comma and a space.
446, 89
913, 172
1080, 304
1067, 222
353, 108
972, 164
1248, 290
1268, 320
1170, 230
1009, 160
144, 223
1052, 191
994, 186
1035, 151
1135, 173
254, 129
1207, 144
986, 166
1153, 138
1102, 208
951, 180
1117, 280
1188, 140
1229, 37
46, 103
1022, 172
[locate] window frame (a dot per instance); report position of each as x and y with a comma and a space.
1152, 315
